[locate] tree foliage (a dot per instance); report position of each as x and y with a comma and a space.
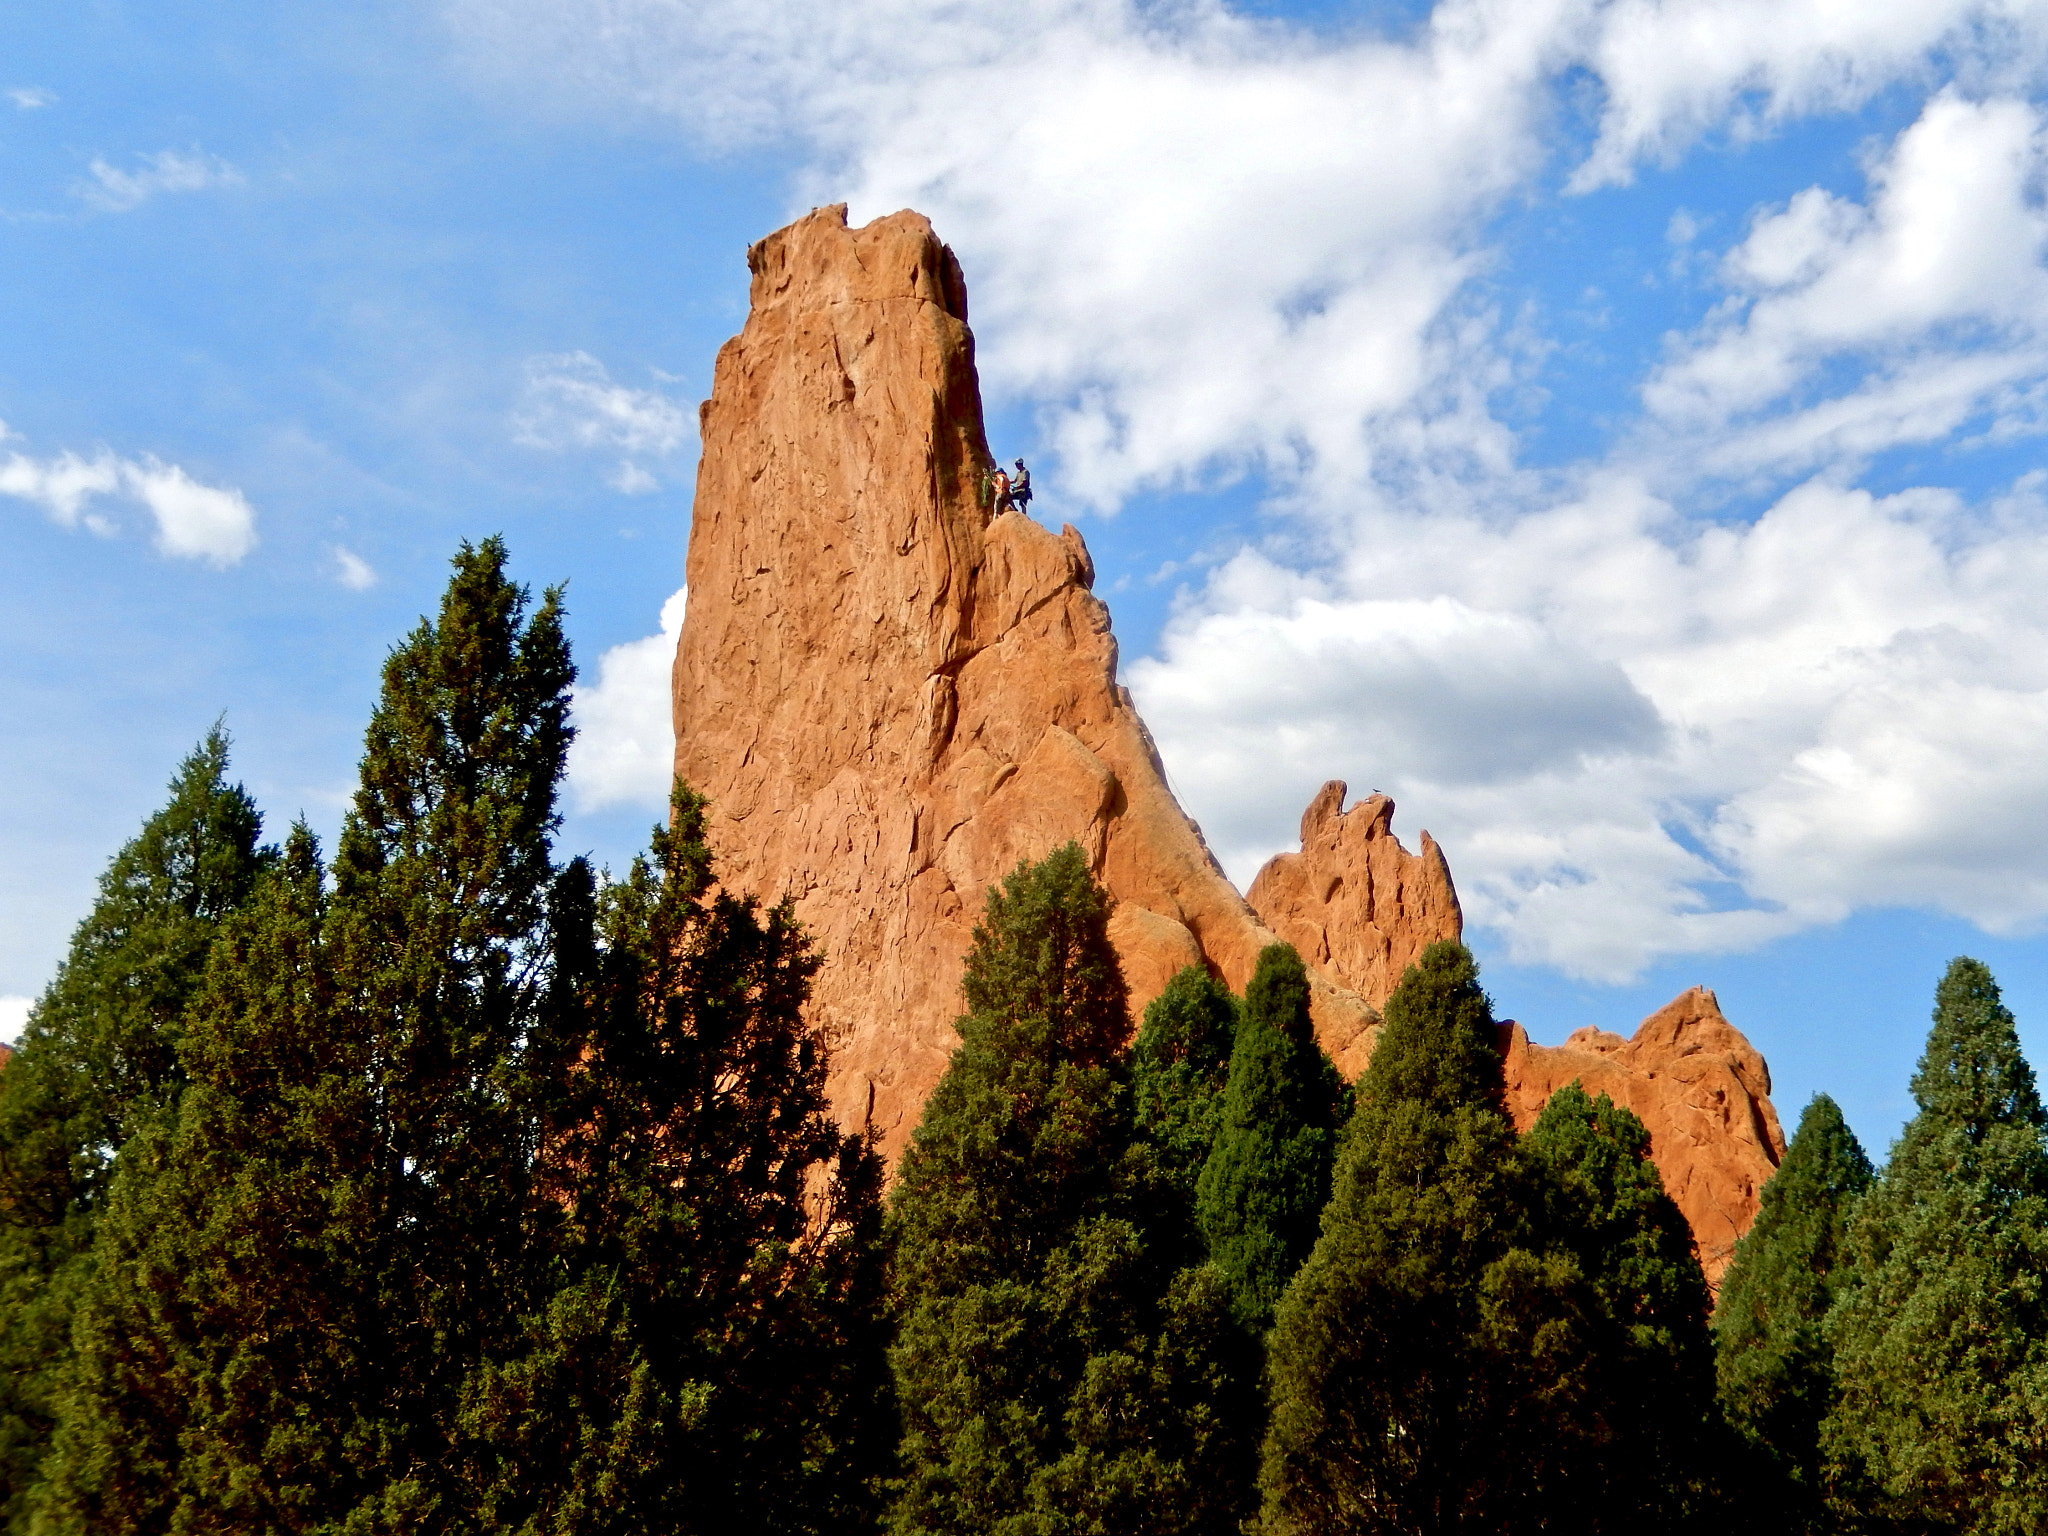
1941, 1332
1392, 1392
1056, 1372
1267, 1177
99, 1055
494, 1200
1774, 1363
1633, 1445
1180, 1067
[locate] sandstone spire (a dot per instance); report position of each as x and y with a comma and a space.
891, 698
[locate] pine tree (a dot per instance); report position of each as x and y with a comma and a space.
99, 1054
1268, 1173
1404, 1358
708, 1354
307, 1267
1054, 1372
1179, 1069
1775, 1365
496, 1200
1941, 1330
1635, 1450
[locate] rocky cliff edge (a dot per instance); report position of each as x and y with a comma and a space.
891, 696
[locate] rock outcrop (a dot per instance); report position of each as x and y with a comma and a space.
891, 697
1355, 903
1702, 1090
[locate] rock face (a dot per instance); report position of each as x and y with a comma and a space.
1701, 1089
1354, 902
891, 697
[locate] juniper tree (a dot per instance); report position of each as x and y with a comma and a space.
98, 1055
1179, 1068
312, 1260
1940, 1332
1774, 1363
708, 1351
1481, 1335
1631, 1445
1268, 1172
1392, 1397
1054, 1371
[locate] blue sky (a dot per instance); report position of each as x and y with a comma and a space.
1613, 427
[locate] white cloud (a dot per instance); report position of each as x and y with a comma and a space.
629, 479
14, 1017
63, 485
30, 98
112, 190
193, 520
1674, 70
625, 747
573, 404
352, 570
1202, 244
1842, 704
1935, 290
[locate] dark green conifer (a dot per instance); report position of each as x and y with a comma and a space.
1267, 1177
495, 1200
1774, 1362
1632, 1446
1941, 1330
310, 1264
1390, 1401
1054, 1372
706, 1350
98, 1055
1179, 1068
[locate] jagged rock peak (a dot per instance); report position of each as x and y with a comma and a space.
891, 696
1699, 1086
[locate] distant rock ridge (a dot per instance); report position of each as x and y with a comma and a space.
890, 697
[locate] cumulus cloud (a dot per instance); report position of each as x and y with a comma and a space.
1640, 737
1675, 70
572, 403
1204, 244
1933, 292
194, 521
14, 1017
113, 190
625, 747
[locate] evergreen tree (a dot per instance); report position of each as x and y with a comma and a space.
1941, 1331
1179, 1069
1775, 1365
1267, 1177
708, 1354
99, 1054
495, 1200
1054, 1372
1416, 1351
309, 1264
1635, 1451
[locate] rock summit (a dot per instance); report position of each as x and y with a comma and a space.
891, 696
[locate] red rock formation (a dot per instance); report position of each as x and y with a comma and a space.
1354, 902
1701, 1089
891, 699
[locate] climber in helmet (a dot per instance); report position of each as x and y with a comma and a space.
1020, 487
1001, 482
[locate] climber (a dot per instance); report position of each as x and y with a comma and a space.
1002, 485
1020, 487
